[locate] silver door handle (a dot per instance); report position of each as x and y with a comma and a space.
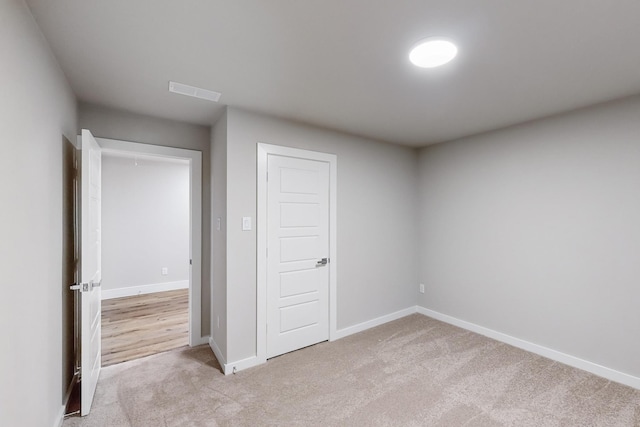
322, 262
85, 287
82, 287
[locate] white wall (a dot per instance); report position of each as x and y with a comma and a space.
115, 124
145, 222
534, 231
219, 236
377, 222
37, 110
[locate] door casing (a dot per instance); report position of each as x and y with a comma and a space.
264, 151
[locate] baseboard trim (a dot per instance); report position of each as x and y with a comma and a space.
350, 330
203, 340
567, 359
228, 368
144, 289
216, 350
242, 364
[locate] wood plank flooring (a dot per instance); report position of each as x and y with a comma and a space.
138, 326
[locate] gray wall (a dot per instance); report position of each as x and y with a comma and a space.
219, 237
37, 112
114, 124
145, 221
534, 231
377, 222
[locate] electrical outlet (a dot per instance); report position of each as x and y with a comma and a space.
422, 288
165, 271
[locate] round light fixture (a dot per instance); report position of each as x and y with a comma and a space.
432, 52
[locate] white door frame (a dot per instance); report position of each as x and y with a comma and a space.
195, 220
264, 150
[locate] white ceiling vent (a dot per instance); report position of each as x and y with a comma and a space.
196, 92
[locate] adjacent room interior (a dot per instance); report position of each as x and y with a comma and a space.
483, 213
145, 255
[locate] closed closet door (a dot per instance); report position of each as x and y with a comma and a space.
297, 253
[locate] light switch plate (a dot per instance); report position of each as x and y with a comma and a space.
246, 223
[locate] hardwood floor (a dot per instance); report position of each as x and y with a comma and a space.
138, 326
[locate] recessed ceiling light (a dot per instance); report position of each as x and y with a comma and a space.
196, 92
433, 52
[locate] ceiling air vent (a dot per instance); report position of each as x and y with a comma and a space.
196, 92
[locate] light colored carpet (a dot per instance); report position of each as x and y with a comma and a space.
415, 371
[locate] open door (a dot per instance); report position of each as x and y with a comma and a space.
90, 268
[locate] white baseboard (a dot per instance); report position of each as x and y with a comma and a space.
350, 330
228, 368
203, 340
576, 362
216, 350
242, 364
558, 356
144, 289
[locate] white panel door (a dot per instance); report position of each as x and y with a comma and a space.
297, 243
90, 270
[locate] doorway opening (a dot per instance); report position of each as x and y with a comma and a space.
88, 247
145, 255
171, 291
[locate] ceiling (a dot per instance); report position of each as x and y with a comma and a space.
343, 64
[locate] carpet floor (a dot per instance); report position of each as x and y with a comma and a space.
415, 371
